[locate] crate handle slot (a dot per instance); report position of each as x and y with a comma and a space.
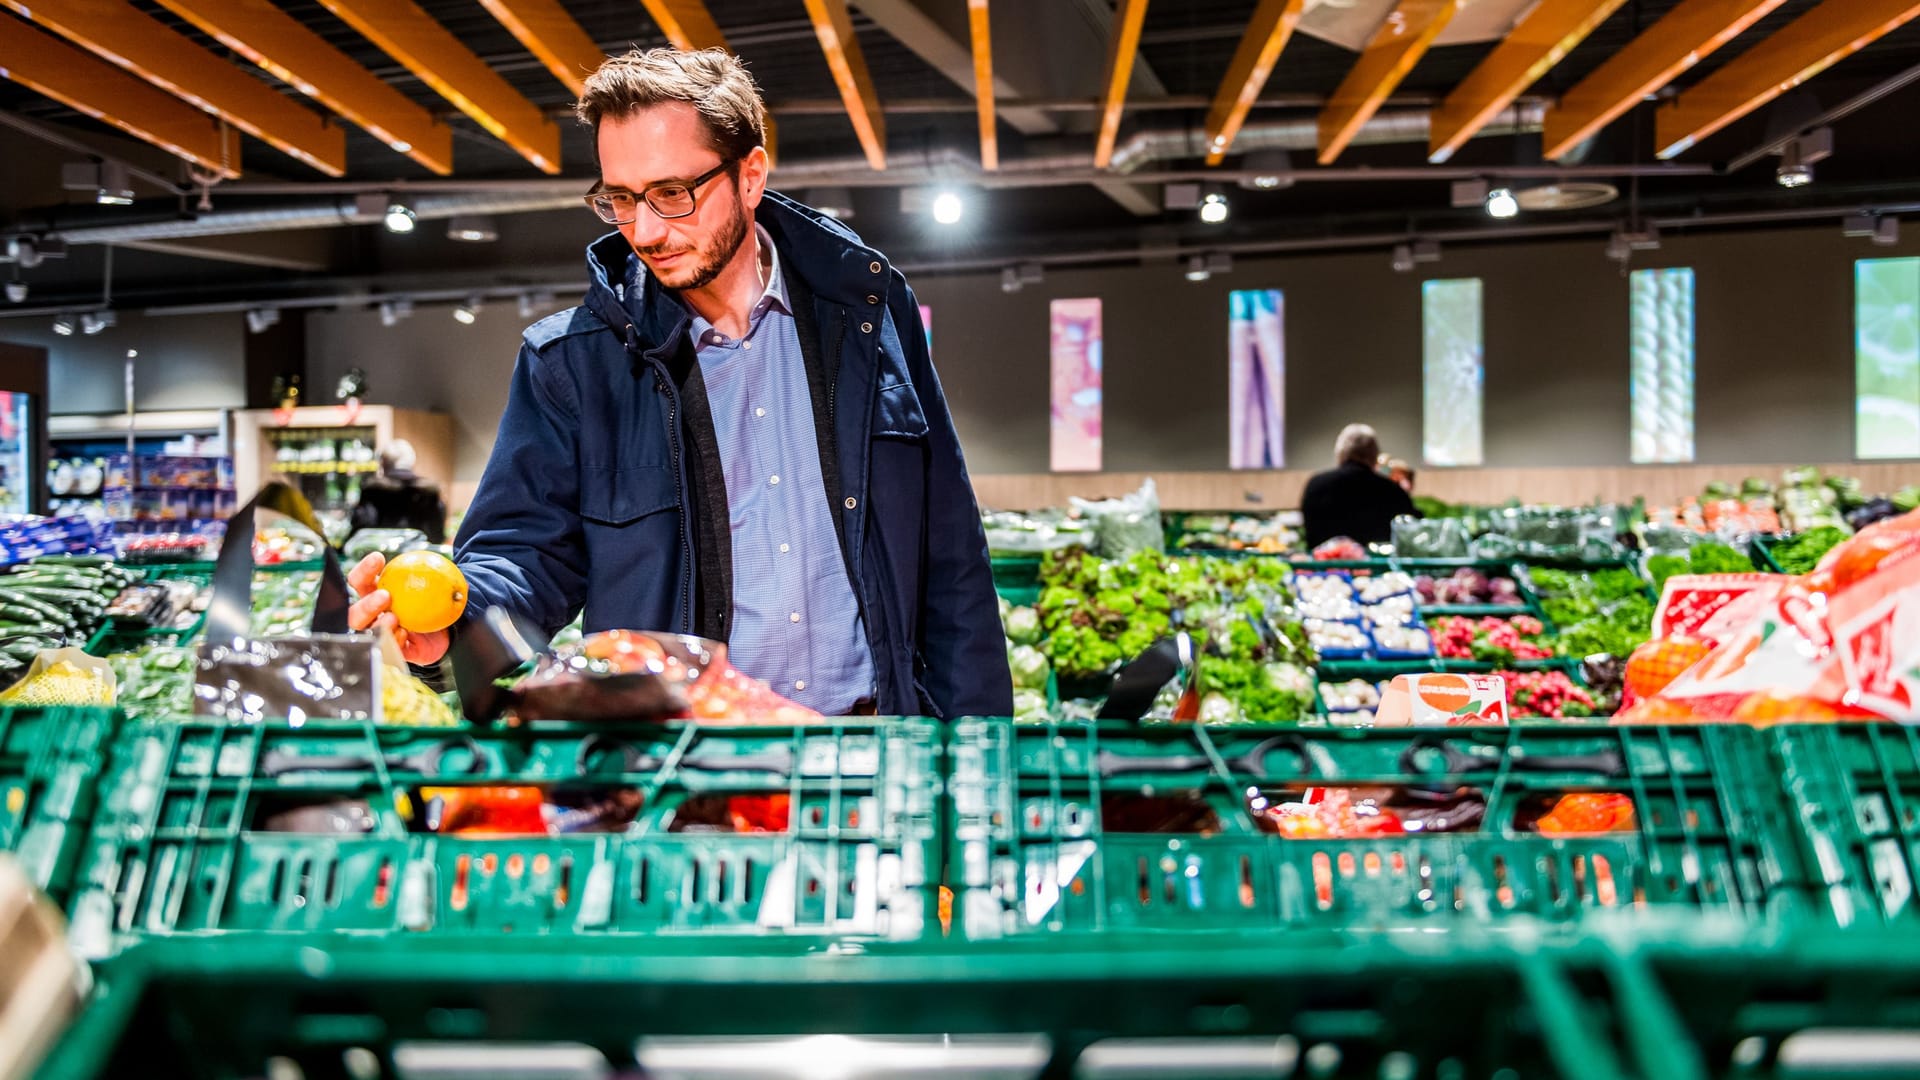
777, 759
1420, 758
1252, 763
278, 762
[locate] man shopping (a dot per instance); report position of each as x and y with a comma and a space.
739, 434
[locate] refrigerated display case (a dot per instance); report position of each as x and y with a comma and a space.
327, 451
20, 442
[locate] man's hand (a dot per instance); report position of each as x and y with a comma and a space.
374, 608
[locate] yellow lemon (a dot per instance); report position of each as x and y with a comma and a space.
429, 592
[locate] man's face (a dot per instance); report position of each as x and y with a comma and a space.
669, 142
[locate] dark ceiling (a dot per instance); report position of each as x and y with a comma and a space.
1186, 46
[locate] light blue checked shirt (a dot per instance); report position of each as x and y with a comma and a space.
796, 624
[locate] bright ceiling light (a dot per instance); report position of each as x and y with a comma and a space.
1501, 203
258, 319
473, 229
94, 322
16, 291
63, 325
400, 218
1197, 268
466, 313
1214, 209
947, 208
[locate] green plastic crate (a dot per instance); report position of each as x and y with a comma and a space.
1227, 1006
1033, 851
50, 761
1855, 791
178, 847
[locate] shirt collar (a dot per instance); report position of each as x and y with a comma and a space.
775, 293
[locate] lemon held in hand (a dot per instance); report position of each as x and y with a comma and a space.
429, 592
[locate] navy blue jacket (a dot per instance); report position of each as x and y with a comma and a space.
588, 497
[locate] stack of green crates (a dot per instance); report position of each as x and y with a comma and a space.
50, 764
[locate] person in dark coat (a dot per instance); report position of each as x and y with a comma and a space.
398, 499
1352, 499
739, 434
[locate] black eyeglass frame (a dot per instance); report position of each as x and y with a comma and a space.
693, 187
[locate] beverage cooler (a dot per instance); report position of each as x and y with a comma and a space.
23, 434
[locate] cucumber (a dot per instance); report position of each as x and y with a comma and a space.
28, 613
97, 561
46, 608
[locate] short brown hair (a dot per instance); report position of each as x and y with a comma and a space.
714, 81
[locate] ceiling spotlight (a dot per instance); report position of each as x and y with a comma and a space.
471, 228
1800, 154
1010, 280
258, 319
95, 321
23, 252
16, 291
464, 314
1501, 203
835, 202
1426, 251
1402, 258
1885, 234
392, 311
63, 325
1213, 208
399, 218
1267, 170
947, 208
1197, 268
1030, 273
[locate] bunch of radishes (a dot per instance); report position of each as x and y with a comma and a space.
1500, 640
1550, 694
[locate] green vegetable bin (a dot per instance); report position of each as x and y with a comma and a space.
1061, 829
50, 763
181, 844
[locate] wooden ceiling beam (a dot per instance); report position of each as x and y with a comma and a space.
980, 24
687, 23
1122, 47
1541, 39
833, 25
142, 45
1395, 48
408, 34
552, 36
76, 78
1800, 50
1266, 35
1670, 46
267, 36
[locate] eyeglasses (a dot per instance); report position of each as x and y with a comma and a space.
669, 198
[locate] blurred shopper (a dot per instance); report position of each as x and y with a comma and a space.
398, 499
1352, 499
739, 434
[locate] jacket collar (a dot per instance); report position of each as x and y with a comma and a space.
824, 254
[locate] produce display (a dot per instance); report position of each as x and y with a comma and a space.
1012, 535
283, 601
53, 601
1262, 533
1801, 553
1352, 696
1703, 557
156, 683
163, 548
80, 681
1491, 639
1547, 694
1467, 586
1597, 612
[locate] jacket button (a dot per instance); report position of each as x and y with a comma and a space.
852, 502
874, 266
866, 328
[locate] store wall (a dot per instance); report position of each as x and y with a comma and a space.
185, 362
1774, 367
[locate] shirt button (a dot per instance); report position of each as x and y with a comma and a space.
759, 412
866, 328
800, 684
875, 267
747, 345
852, 502
773, 482
794, 617
783, 549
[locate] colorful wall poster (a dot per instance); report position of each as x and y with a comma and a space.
1256, 379
1886, 358
926, 323
1075, 352
1661, 335
1452, 373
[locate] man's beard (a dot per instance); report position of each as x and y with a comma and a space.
713, 259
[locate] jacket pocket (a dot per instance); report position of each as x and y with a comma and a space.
615, 496
897, 413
